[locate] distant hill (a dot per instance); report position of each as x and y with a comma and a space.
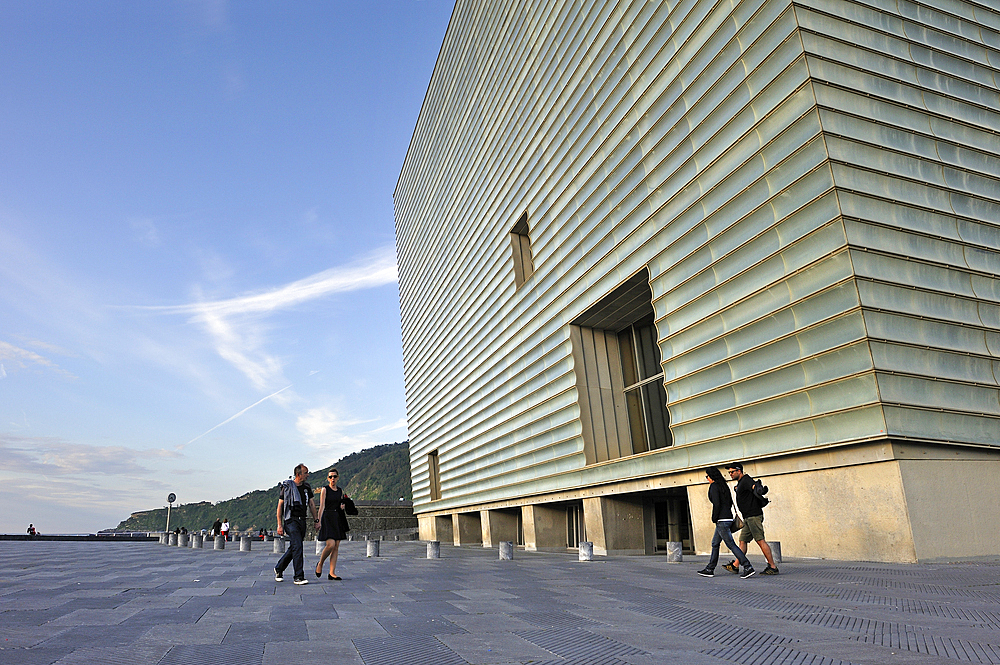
379, 473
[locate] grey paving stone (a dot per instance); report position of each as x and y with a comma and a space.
223, 654
341, 652
344, 628
130, 655
489, 623
494, 648
270, 631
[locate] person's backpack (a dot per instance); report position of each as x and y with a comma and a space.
759, 492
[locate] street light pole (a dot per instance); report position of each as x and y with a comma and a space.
170, 502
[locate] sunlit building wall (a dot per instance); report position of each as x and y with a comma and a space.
639, 238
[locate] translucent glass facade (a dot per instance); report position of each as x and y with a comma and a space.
813, 188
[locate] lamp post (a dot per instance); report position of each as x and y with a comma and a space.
170, 502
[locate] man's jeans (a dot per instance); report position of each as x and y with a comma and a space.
723, 534
295, 529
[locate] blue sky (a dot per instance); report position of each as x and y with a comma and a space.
197, 263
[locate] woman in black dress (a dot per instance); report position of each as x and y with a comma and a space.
333, 523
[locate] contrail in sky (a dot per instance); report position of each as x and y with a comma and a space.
237, 415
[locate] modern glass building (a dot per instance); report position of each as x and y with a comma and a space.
639, 238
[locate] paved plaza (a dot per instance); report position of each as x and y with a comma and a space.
135, 603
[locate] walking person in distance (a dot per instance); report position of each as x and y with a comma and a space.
294, 501
333, 523
722, 516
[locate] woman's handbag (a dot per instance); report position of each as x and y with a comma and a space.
349, 506
736, 524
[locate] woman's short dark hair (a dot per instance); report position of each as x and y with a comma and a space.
714, 473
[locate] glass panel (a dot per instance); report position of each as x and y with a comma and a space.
654, 399
629, 374
635, 421
647, 351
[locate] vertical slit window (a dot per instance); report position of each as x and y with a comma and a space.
520, 247
435, 475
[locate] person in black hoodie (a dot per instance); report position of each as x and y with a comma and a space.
722, 516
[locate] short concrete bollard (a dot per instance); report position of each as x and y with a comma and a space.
373, 546
775, 546
173, 540
245, 543
586, 551
279, 545
164, 538
197, 541
507, 550
434, 549
675, 552
220, 542
268, 538
182, 540
320, 544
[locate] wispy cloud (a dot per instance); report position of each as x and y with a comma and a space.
235, 324
20, 358
53, 457
377, 269
325, 429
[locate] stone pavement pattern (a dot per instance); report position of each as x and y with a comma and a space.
142, 603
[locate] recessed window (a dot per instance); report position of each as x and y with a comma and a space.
623, 403
435, 475
520, 248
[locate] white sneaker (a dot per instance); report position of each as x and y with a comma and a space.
302, 581
277, 576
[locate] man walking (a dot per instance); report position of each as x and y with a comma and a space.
217, 527
295, 497
753, 519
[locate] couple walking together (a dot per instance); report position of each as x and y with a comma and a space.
752, 508
295, 500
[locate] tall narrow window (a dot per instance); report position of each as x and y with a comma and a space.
520, 247
435, 475
623, 403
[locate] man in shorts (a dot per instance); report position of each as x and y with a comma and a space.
753, 519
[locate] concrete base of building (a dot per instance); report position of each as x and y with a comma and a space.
888, 501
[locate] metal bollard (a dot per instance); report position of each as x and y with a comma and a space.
373, 546
506, 550
173, 540
586, 551
434, 549
182, 540
775, 546
320, 544
220, 542
279, 545
675, 552
197, 541
244, 543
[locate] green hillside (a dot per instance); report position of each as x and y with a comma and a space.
379, 473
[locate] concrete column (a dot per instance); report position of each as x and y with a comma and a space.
182, 540
614, 525
466, 529
197, 541
675, 551
373, 547
220, 542
775, 546
320, 544
164, 538
506, 550
279, 545
544, 528
173, 540
434, 549
498, 526
586, 551
444, 529
244, 543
